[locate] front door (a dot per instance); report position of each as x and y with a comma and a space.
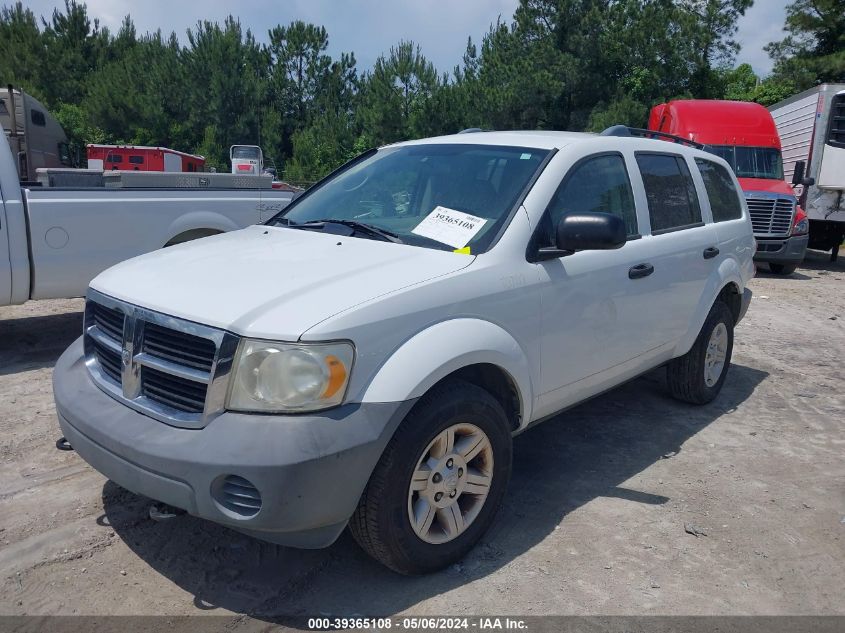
600, 309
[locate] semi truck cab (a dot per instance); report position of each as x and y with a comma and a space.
744, 134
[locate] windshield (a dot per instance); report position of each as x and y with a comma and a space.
245, 152
464, 193
751, 162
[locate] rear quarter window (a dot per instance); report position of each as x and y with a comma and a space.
670, 191
724, 198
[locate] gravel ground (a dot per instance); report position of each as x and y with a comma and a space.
594, 521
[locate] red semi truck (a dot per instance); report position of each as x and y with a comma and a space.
744, 134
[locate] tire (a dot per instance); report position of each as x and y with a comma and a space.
782, 269
688, 376
382, 523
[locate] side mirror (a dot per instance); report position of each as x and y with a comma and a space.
798, 175
590, 232
584, 232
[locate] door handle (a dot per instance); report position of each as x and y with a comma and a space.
640, 270
711, 252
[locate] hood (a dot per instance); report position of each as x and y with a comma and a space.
271, 282
769, 185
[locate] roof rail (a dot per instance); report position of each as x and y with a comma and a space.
471, 130
624, 130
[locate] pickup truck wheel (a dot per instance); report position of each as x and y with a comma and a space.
439, 482
698, 375
782, 269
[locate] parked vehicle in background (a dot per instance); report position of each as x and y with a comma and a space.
365, 358
812, 127
142, 158
744, 134
36, 139
54, 240
247, 160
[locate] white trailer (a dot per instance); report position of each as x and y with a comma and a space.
55, 239
811, 126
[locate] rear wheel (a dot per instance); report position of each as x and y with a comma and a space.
782, 269
698, 375
439, 483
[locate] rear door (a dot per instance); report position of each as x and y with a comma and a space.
682, 245
733, 228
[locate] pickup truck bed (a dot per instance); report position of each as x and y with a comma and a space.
53, 241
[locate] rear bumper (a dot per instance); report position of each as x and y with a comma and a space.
310, 470
789, 250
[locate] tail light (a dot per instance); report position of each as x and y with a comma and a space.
801, 224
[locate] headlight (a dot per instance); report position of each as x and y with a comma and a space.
801, 227
289, 377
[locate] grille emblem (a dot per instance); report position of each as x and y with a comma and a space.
126, 357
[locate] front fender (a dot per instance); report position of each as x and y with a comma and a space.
728, 272
441, 349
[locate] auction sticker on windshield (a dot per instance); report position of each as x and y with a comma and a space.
449, 226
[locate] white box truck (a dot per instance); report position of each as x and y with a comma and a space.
811, 126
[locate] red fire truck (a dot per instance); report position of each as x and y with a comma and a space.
142, 158
744, 134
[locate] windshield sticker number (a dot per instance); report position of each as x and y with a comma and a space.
449, 226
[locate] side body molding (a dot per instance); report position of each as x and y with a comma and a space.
445, 347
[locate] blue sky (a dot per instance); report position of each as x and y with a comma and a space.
370, 27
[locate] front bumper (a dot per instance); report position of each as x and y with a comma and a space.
789, 250
310, 469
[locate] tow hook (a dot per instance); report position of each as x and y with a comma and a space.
163, 512
63, 445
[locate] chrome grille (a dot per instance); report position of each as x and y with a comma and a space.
109, 361
171, 369
179, 347
181, 394
770, 215
109, 321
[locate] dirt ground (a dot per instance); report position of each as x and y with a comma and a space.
594, 521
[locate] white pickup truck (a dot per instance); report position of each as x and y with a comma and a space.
365, 357
54, 240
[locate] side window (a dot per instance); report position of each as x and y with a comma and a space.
37, 118
724, 198
136, 160
836, 133
598, 184
672, 200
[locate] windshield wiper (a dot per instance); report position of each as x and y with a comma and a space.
362, 227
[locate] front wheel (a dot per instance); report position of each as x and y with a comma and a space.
439, 483
698, 375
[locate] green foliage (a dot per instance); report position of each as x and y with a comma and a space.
79, 129
556, 64
814, 49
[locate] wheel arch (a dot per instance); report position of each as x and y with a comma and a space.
197, 224
724, 284
474, 350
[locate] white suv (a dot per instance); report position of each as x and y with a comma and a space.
365, 357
